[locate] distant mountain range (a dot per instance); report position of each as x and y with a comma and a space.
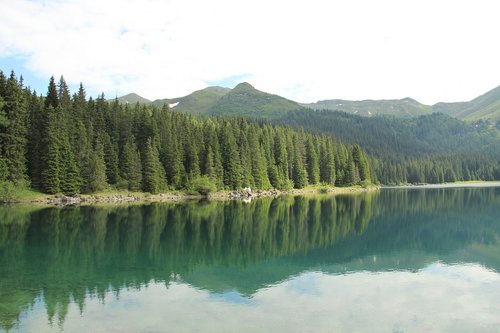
245, 100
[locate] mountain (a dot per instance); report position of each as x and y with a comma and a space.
132, 99
486, 106
244, 100
198, 102
405, 107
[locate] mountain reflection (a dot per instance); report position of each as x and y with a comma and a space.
65, 255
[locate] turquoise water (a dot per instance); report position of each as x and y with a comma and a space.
420, 260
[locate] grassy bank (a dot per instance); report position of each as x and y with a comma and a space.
28, 196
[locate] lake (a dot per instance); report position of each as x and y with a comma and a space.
399, 260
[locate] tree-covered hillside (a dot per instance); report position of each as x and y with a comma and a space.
70, 144
429, 149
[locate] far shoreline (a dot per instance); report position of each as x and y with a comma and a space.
462, 184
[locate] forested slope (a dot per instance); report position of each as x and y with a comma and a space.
70, 144
433, 148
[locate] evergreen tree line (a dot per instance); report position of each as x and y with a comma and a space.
435, 169
63, 143
429, 149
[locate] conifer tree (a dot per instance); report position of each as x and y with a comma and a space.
313, 170
52, 98
327, 164
361, 163
71, 180
281, 160
95, 171
111, 159
258, 162
230, 158
153, 172
51, 161
172, 161
35, 139
14, 130
132, 168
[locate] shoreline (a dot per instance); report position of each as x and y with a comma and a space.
462, 184
123, 197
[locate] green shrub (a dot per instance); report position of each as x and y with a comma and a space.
202, 185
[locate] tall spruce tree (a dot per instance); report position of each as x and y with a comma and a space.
312, 160
51, 159
14, 130
153, 173
95, 171
35, 139
132, 169
230, 158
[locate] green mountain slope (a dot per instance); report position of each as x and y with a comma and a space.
244, 100
405, 107
132, 99
486, 106
198, 102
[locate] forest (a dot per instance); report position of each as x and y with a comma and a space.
70, 144
433, 148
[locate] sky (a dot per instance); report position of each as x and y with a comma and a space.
430, 50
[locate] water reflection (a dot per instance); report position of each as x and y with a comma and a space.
171, 259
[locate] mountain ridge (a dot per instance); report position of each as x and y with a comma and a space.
246, 100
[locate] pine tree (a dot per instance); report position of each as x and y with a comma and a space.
35, 141
52, 98
132, 168
95, 171
258, 162
281, 160
51, 159
230, 158
111, 159
361, 163
327, 164
153, 172
312, 160
71, 180
13, 131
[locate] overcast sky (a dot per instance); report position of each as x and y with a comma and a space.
430, 50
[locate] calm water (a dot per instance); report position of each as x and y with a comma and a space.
422, 260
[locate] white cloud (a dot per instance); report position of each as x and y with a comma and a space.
429, 50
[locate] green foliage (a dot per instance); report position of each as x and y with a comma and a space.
10, 191
131, 167
203, 185
14, 129
153, 172
95, 173
77, 145
428, 149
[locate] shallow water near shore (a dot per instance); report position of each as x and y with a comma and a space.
397, 260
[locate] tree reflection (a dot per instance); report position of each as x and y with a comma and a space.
64, 255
